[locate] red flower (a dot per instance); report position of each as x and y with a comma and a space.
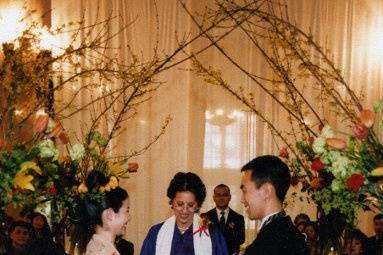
284, 153
132, 167
355, 181
317, 165
52, 190
360, 131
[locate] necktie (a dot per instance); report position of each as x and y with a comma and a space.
222, 222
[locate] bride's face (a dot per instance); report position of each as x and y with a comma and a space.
184, 206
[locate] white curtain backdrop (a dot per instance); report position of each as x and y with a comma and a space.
211, 133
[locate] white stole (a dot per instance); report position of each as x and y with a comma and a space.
202, 242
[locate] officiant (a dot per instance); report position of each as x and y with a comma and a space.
185, 232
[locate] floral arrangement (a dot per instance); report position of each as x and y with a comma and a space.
42, 173
346, 169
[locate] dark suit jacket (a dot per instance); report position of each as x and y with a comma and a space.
372, 246
234, 232
125, 247
278, 237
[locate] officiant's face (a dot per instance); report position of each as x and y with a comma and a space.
184, 206
252, 197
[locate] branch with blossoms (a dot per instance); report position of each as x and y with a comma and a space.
307, 86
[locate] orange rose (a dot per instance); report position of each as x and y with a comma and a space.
336, 143
132, 167
316, 183
367, 118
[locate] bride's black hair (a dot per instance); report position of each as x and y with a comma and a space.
90, 207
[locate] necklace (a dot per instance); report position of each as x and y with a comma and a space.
182, 229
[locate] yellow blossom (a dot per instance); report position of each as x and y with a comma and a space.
114, 168
82, 188
30, 165
113, 182
24, 181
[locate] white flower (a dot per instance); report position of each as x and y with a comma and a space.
319, 145
329, 157
340, 166
77, 152
48, 150
336, 185
327, 132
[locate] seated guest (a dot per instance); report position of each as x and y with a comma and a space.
311, 231
264, 185
124, 247
42, 242
19, 236
356, 243
376, 242
231, 223
184, 233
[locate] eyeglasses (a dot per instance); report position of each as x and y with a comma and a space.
180, 205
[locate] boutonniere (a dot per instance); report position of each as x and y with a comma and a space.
203, 223
231, 225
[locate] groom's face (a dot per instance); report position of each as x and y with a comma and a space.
252, 197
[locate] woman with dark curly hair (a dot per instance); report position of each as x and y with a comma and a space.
185, 232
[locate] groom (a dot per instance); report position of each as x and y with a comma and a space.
265, 182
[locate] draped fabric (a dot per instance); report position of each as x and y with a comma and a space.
211, 133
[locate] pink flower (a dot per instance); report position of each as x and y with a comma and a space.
360, 131
367, 118
40, 123
317, 165
336, 143
355, 181
284, 153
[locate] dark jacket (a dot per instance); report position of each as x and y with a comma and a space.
234, 232
277, 237
125, 247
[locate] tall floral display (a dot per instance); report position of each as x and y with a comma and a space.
322, 130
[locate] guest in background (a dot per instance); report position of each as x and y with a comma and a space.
102, 220
311, 231
375, 243
357, 243
183, 233
124, 247
231, 223
301, 227
265, 182
19, 236
42, 242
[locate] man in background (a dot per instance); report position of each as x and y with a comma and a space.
375, 243
231, 223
